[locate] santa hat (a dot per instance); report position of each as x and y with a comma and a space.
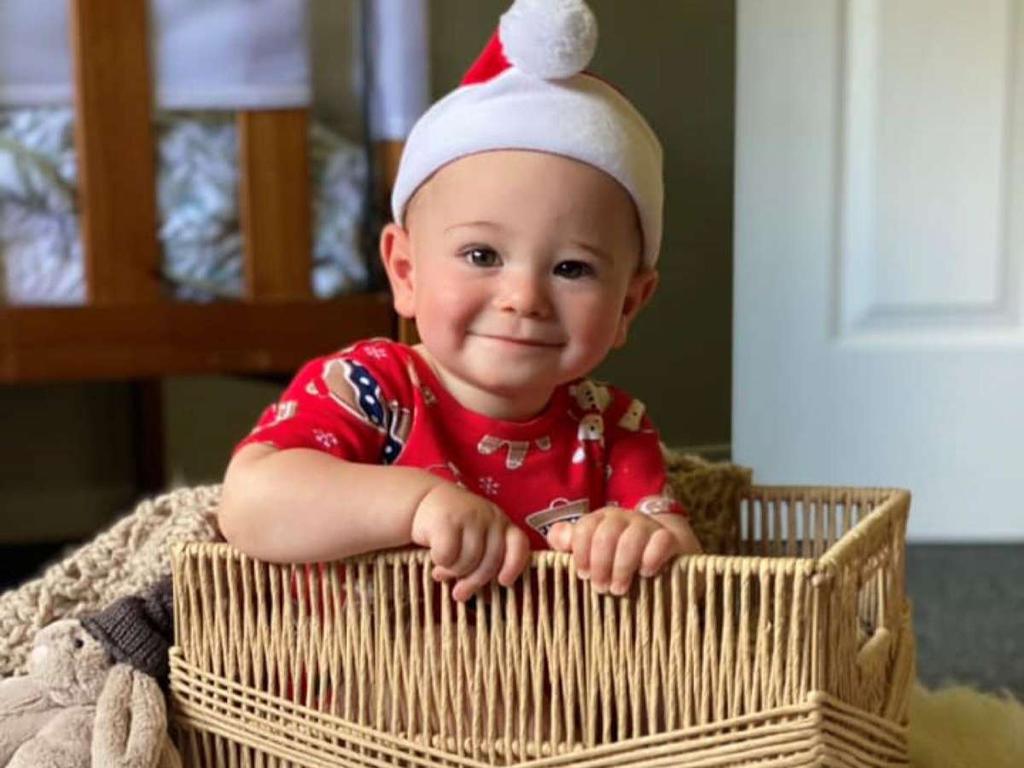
528, 90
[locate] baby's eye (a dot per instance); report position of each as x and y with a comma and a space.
481, 257
573, 270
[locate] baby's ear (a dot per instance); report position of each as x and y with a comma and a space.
396, 255
638, 293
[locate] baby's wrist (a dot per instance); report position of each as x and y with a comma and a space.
432, 485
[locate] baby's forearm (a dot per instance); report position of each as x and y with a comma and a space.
300, 505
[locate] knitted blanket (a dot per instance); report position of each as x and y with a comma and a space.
125, 559
134, 553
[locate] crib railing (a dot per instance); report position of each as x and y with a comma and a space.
127, 327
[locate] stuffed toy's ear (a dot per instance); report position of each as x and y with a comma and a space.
131, 721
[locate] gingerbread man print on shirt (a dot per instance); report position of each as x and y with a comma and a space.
353, 387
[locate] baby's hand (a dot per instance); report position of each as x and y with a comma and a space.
470, 539
612, 544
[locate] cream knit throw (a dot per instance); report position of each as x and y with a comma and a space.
134, 553
125, 559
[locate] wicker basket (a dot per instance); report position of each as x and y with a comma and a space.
790, 645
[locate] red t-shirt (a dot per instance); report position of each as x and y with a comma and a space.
379, 402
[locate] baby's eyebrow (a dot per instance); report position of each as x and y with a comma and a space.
491, 224
593, 249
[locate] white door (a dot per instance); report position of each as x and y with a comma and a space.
878, 335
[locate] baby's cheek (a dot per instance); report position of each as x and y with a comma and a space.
596, 333
604, 309
454, 311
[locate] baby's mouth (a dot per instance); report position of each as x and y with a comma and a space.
525, 342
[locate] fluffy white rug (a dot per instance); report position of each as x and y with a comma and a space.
962, 728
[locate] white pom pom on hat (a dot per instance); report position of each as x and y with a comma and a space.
529, 90
551, 39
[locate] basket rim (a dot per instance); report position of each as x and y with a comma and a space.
892, 507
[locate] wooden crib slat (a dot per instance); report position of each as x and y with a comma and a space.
275, 207
387, 155
114, 142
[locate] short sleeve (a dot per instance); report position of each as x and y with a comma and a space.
637, 477
355, 405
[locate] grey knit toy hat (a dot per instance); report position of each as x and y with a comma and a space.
138, 630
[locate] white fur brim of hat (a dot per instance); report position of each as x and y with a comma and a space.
579, 117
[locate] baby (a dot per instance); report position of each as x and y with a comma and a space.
527, 223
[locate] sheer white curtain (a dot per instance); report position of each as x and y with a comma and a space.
228, 54
399, 56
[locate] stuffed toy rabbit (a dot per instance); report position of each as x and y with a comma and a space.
92, 695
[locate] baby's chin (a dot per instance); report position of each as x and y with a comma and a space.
514, 385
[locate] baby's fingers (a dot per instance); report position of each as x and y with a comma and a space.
445, 545
603, 545
472, 550
661, 548
490, 562
560, 537
628, 554
582, 533
517, 555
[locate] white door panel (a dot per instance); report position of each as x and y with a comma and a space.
878, 332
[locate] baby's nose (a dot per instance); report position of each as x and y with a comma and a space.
524, 294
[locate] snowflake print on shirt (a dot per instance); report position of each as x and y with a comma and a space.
489, 486
326, 439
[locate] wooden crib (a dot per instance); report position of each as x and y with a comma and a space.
127, 329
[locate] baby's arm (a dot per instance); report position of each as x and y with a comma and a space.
299, 505
315, 480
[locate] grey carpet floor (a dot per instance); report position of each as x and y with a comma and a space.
968, 605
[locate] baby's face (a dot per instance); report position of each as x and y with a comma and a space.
524, 272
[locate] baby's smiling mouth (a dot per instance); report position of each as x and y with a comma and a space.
520, 341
